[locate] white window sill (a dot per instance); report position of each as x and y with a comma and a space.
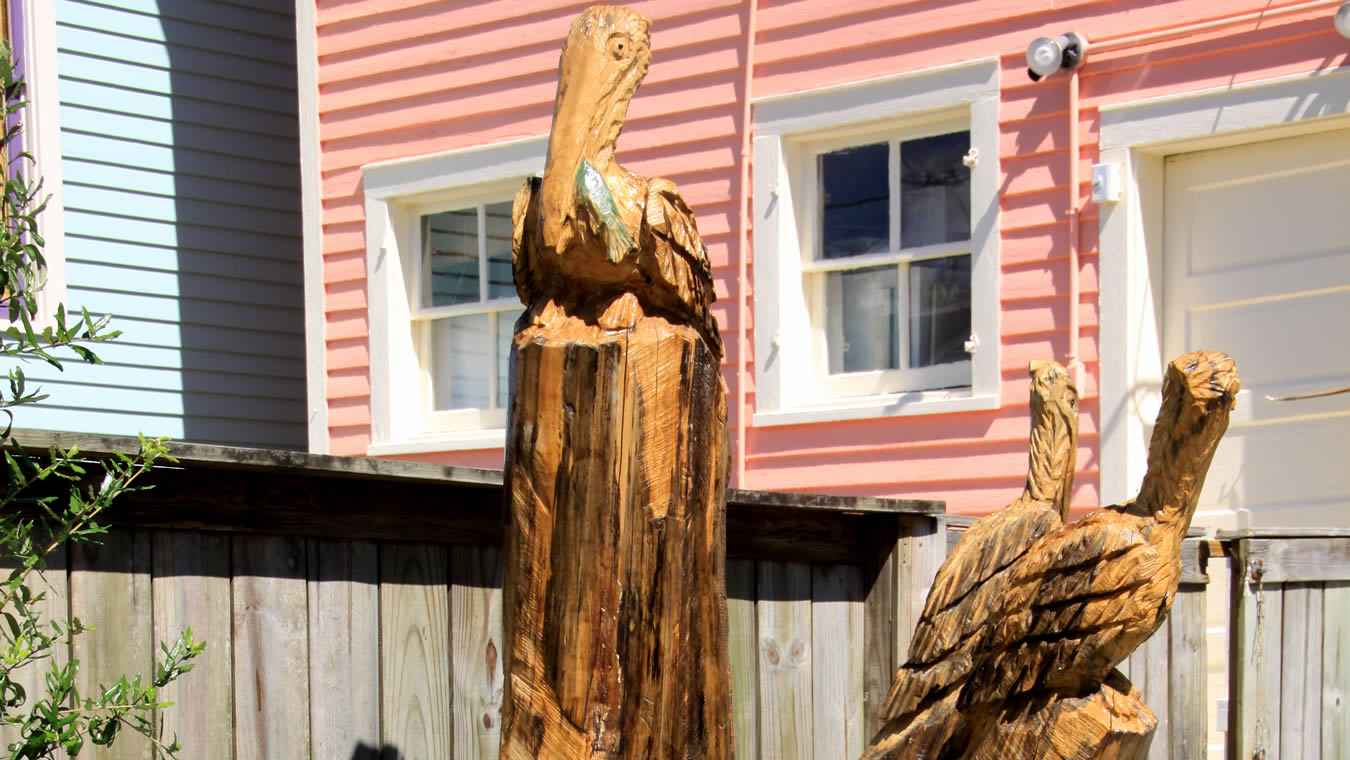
871, 407
431, 443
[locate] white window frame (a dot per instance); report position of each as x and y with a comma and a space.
410, 217
790, 131
805, 175
1137, 136
41, 118
397, 193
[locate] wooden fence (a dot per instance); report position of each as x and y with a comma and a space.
353, 607
1289, 693
353, 610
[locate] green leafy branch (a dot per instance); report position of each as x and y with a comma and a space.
55, 499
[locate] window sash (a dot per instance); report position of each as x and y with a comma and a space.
871, 382
810, 227
423, 318
419, 287
815, 269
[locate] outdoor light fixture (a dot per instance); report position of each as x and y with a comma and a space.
1045, 56
1343, 20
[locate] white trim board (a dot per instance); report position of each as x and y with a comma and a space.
1137, 137
311, 209
42, 137
392, 190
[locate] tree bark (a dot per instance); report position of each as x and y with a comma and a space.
614, 574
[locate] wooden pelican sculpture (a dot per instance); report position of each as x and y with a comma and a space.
616, 465
1019, 662
593, 240
938, 661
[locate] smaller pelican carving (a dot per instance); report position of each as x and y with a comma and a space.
939, 657
593, 240
1005, 661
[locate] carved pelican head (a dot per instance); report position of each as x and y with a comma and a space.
604, 59
1198, 394
1054, 435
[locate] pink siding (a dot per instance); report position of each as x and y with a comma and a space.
408, 77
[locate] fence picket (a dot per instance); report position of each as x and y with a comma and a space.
344, 647
271, 652
415, 650
784, 619
191, 587
476, 650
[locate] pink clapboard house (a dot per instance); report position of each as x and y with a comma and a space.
899, 220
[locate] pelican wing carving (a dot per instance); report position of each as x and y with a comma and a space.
961, 602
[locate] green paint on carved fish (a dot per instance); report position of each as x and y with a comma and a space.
591, 188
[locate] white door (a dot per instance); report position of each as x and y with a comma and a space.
1257, 264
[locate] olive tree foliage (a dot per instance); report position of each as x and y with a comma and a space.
53, 499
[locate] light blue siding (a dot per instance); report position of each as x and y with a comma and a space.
181, 195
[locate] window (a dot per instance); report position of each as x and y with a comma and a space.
442, 303
876, 248
888, 273
467, 311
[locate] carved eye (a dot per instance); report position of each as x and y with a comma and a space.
619, 47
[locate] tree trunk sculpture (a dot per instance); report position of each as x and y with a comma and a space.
1015, 654
617, 457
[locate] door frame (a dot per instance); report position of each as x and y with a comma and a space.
1136, 137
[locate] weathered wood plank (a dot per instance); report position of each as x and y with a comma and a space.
742, 635
110, 589
1336, 669
1194, 561
796, 535
55, 583
1301, 560
277, 503
476, 650
1157, 696
344, 646
1187, 675
836, 661
919, 551
271, 648
1301, 671
415, 650
201, 456
1255, 634
741, 497
880, 658
785, 667
191, 586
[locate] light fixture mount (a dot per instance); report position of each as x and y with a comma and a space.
1045, 56
1342, 20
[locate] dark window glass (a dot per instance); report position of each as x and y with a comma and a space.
855, 201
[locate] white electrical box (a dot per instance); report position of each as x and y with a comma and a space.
1105, 183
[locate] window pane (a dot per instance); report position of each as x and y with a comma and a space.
500, 284
855, 201
506, 327
939, 310
451, 248
861, 319
461, 360
934, 190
